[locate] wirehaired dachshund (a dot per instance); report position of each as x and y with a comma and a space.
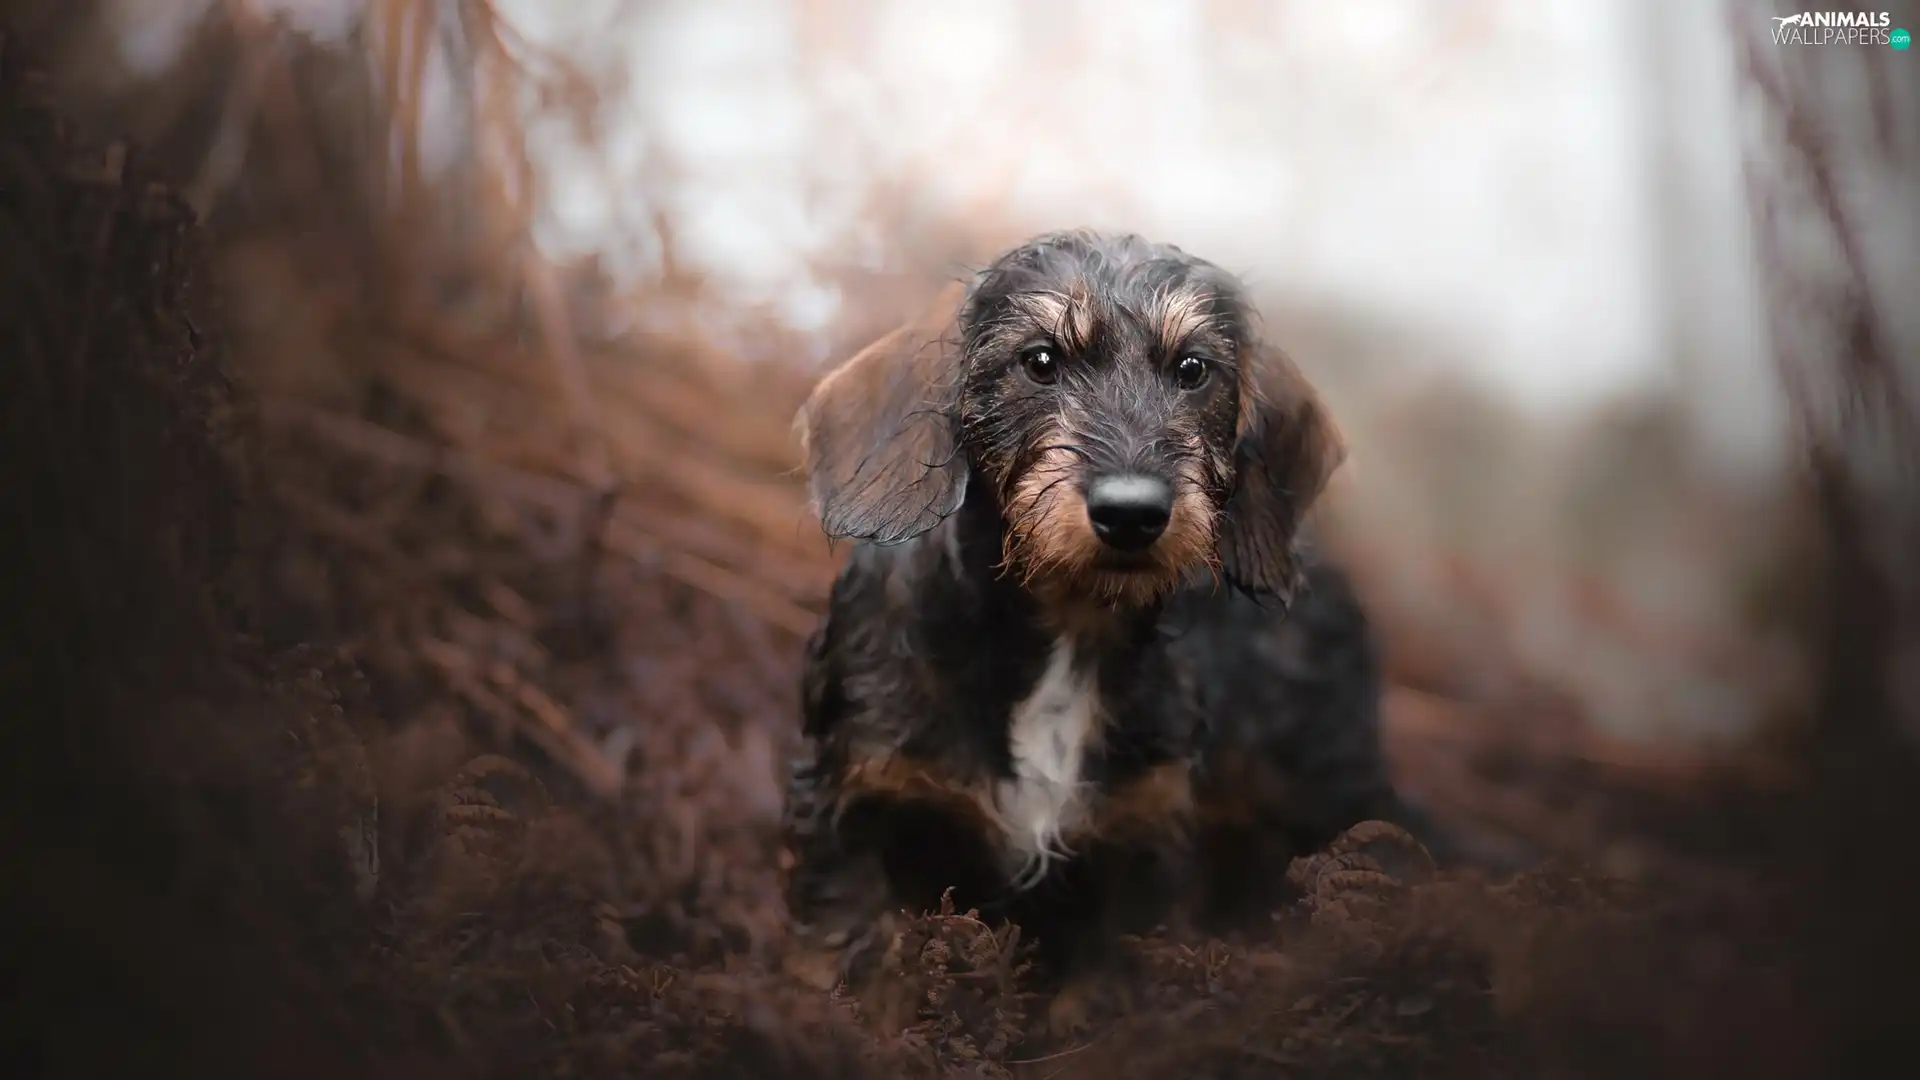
1058, 673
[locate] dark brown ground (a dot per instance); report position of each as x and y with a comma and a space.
333, 751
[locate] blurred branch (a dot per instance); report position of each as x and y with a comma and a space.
763, 580
1877, 392
1832, 340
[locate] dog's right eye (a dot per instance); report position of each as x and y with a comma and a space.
1040, 365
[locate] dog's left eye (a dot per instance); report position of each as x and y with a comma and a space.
1191, 372
1040, 364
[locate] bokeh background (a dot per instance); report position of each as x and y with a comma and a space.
528, 292
1513, 240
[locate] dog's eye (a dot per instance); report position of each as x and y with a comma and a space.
1040, 365
1191, 372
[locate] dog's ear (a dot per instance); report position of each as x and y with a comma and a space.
881, 432
1288, 449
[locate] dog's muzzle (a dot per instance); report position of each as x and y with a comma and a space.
1129, 511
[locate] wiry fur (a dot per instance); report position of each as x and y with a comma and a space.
1004, 702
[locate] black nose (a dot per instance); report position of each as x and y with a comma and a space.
1129, 512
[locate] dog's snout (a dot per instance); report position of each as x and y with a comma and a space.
1129, 512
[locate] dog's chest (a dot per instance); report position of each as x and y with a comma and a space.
1049, 735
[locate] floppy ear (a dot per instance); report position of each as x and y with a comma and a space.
881, 432
1288, 449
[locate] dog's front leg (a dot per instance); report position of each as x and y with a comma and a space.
1116, 890
836, 889
841, 910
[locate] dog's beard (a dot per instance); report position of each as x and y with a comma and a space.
1051, 545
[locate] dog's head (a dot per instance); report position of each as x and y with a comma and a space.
1117, 397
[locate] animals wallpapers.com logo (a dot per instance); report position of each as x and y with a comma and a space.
1839, 28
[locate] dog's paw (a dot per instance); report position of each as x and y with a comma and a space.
876, 966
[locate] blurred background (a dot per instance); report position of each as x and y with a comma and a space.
606, 244
527, 294
1513, 241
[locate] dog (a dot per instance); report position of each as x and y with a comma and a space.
1057, 674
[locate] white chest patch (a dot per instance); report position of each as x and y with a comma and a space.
1048, 738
